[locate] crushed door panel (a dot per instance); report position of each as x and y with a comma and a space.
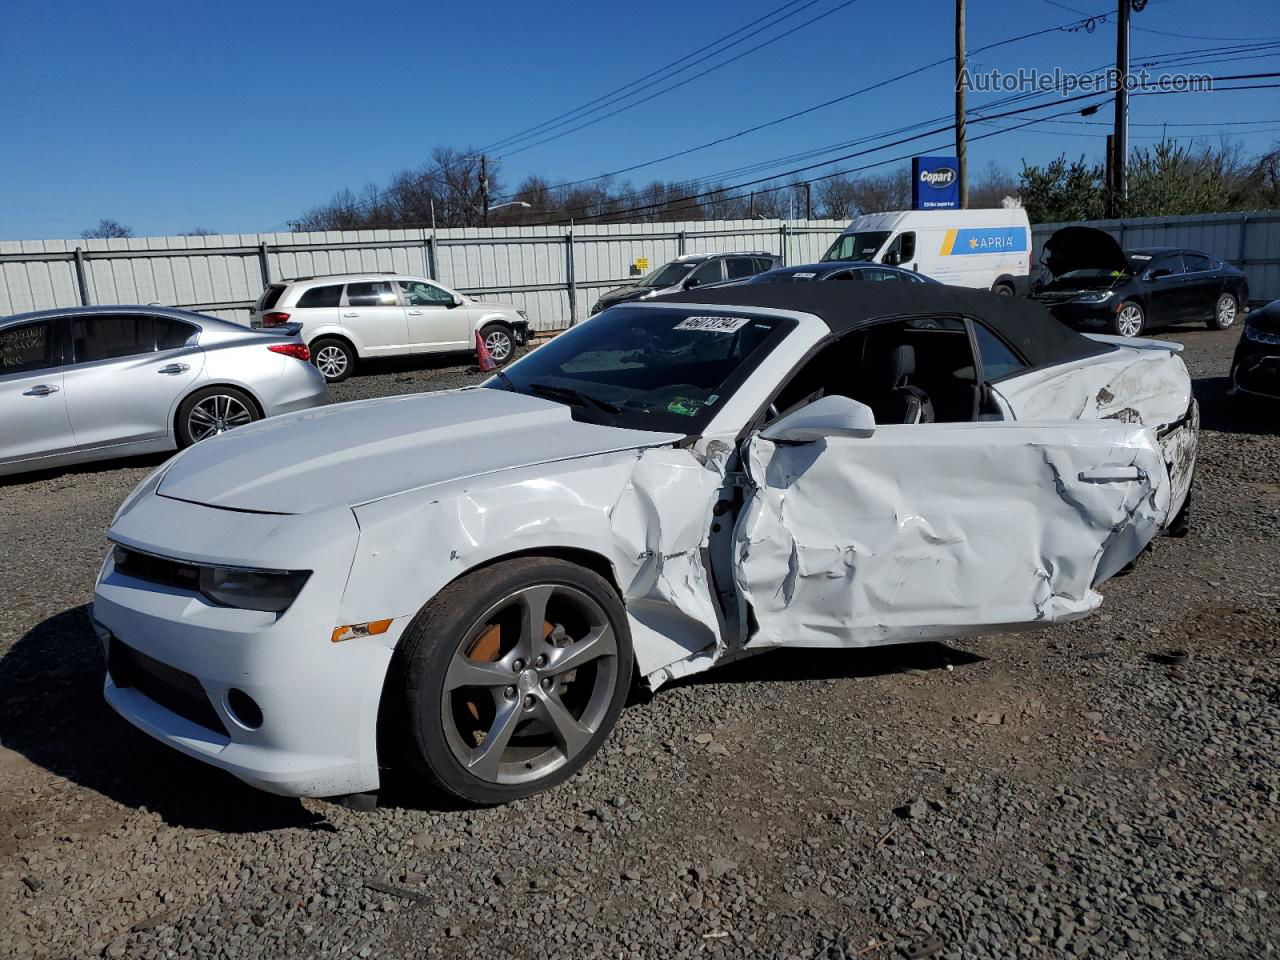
942, 529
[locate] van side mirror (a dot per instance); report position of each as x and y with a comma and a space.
833, 416
892, 258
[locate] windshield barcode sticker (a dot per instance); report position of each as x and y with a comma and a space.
713, 324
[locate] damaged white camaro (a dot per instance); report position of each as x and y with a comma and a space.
466, 582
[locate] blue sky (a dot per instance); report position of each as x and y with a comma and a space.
237, 116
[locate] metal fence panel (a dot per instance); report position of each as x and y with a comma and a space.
554, 273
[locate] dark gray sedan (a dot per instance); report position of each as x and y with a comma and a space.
88, 383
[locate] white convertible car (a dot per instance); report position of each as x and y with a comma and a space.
466, 583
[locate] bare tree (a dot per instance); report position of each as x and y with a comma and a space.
107, 229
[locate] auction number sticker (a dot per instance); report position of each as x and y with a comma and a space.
713, 324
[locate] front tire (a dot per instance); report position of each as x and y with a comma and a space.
500, 341
1128, 320
211, 411
512, 677
333, 358
1224, 312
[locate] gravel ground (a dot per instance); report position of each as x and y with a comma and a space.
1048, 794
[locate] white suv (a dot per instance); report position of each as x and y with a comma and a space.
360, 315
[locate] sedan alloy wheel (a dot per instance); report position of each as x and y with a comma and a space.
217, 414
1129, 320
1224, 314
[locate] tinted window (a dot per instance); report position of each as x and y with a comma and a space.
738, 267
709, 272
106, 336
322, 297
377, 293
904, 245
1172, 263
419, 294
271, 295
885, 276
763, 264
997, 359
26, 347
1196, 262
172, 334
845, 275
667, 275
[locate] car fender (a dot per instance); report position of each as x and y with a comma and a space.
483, 317
310, 334
646, 512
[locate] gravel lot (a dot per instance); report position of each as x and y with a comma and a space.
1049, 794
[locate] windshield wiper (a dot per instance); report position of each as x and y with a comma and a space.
569, 395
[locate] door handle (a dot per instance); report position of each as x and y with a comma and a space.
1113, 474
351, 314
41, 390
175, 368
415, 313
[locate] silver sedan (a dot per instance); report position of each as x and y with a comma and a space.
89, 383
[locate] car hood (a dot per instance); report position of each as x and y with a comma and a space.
1082, 248
622, 294
355, 453
490, 305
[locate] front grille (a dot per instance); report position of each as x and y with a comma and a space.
177, 692
153, 569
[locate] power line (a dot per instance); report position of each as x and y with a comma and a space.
648, 76
1070, 26
1163, 33
674, 86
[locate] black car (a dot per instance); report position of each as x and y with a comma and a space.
838, 271
1255, 369
1092, 282
687, 272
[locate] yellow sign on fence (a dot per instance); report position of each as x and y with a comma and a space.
642, 263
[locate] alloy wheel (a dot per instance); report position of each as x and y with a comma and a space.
216, 414
530, 684
1226, 311
498, 343
331, 361
1129, 320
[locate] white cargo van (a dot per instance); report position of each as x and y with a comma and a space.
989, 249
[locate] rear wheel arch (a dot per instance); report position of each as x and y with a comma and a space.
198, 387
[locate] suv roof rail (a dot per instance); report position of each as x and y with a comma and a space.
349, 273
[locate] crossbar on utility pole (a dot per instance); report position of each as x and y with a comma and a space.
962, 160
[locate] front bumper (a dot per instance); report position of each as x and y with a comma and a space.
1079, 314
185, 656
1255, 369
520, 331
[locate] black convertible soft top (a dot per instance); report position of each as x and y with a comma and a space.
1025, 325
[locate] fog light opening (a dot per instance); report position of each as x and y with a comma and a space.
243, 709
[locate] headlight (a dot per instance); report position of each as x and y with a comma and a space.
246, 588
1260, 336
1100, 296
269, 590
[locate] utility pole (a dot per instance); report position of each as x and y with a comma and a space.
1120, 135
808, 200
484, 187
961, 158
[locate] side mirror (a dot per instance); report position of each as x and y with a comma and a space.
892, 258
456, 301
833, 416
692, 282
1159, 274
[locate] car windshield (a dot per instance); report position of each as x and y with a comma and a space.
668, 275
648, 368
857, 246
